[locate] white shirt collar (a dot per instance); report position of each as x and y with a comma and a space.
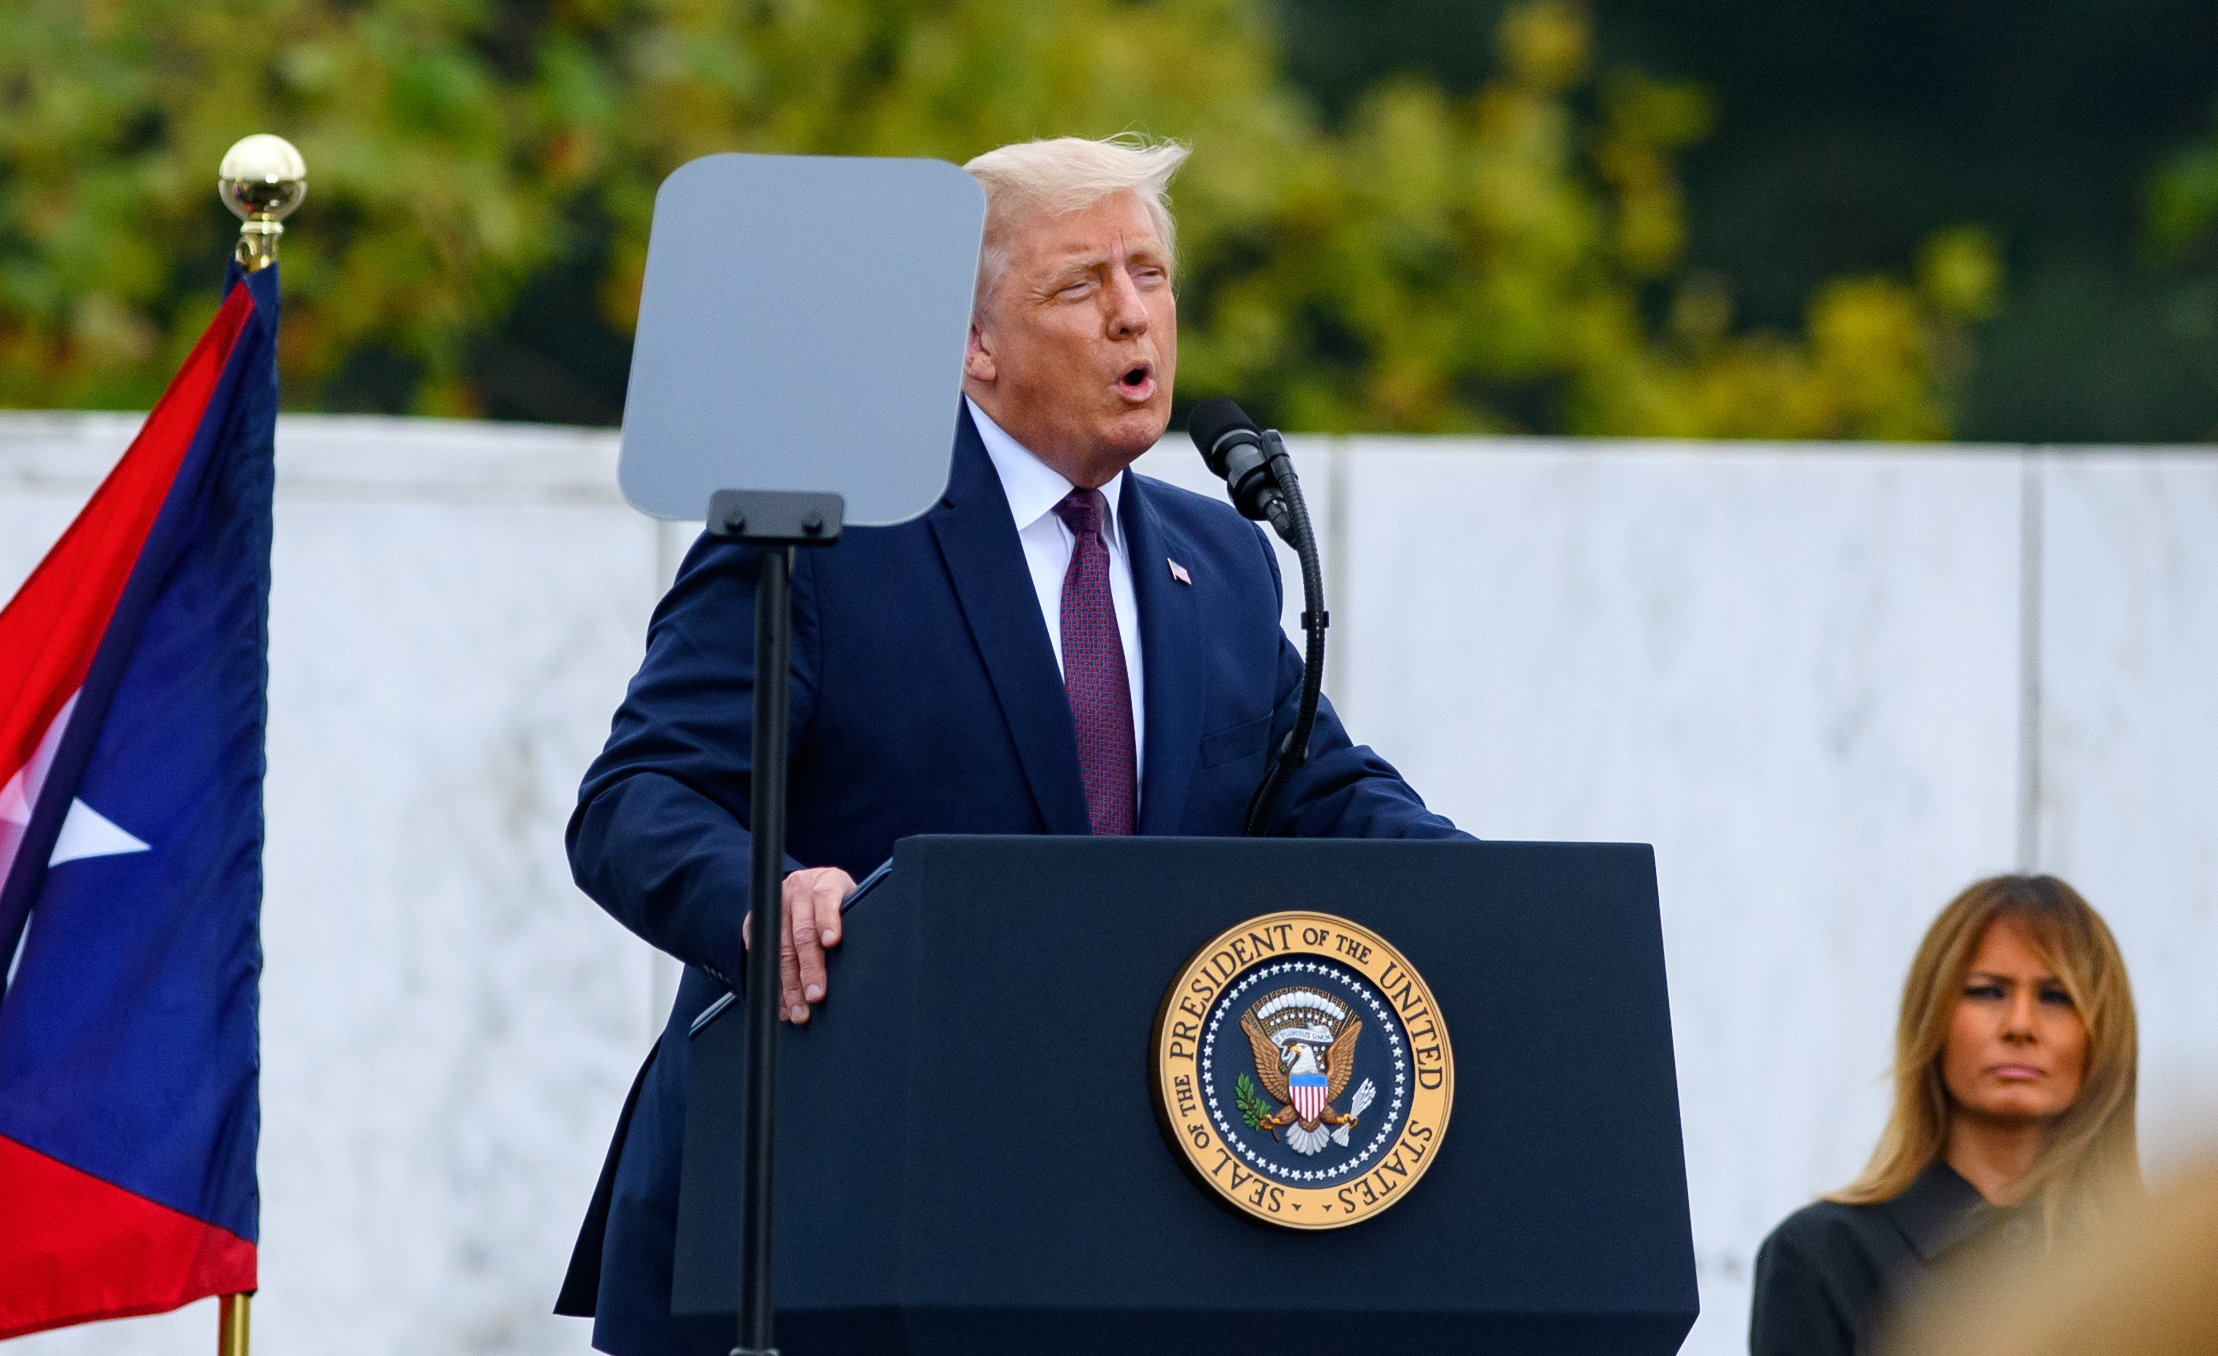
1033, 487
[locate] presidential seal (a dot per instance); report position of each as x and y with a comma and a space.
1302, 1070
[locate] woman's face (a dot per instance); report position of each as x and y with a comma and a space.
2017, 1049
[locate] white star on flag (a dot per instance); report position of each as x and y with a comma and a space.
88, 833
85, 831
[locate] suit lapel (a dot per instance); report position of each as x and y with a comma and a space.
1170, 656
978, 540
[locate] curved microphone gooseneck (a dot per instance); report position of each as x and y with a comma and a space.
1260, 478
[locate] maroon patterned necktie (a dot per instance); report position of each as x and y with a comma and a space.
1093, 668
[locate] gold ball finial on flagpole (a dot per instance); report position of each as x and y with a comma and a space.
262, 179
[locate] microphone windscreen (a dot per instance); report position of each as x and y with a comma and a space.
1212, 419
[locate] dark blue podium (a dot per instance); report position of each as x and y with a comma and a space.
969, 1159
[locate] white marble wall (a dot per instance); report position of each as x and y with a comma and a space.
2128, 709
1792, 670
1802, 672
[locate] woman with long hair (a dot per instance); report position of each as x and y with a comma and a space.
2013, 1115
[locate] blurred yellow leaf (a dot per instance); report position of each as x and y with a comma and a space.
1960, 272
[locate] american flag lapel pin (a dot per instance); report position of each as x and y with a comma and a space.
1178, 571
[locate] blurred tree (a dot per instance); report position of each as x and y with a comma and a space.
1512, 259
2183, 226
1849, 133
433, 189
1486, 264
2183, 200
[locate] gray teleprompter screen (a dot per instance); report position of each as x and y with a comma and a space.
802, 328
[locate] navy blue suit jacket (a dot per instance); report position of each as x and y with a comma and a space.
926, 699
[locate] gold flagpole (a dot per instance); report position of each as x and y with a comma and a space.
262, 179
231, 1327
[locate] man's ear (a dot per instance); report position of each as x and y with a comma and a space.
978, 363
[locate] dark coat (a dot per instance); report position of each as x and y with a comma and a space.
925, 700
1830, 1273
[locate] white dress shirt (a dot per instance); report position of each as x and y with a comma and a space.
1034, 489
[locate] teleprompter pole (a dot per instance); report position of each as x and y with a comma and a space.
776, 522
766, 882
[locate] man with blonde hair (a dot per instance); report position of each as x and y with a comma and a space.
1060, 646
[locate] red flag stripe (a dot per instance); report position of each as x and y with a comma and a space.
74, 1247
50, 630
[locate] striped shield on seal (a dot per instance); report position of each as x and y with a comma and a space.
1309, 1095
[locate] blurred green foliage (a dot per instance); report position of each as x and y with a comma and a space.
2183, 197
1507, 260
1847, 134
2183, 224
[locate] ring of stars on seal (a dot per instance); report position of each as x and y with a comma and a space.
1302, 1070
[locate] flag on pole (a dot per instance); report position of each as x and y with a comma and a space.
133, 679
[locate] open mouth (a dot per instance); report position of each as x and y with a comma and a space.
1137, 380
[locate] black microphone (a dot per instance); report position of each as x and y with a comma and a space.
1260, 475
1253, 463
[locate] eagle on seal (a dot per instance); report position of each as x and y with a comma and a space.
1278, 1065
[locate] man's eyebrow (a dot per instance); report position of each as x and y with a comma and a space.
1078, 265
1088, 263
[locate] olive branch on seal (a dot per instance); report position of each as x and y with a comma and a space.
1250, 1100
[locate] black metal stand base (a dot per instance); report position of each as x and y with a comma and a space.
776, 521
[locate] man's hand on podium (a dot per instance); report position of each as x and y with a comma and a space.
812, 900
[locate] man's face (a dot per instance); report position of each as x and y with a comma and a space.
1076, 346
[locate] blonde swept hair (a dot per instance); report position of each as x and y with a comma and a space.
1070, 174
2091, 1149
